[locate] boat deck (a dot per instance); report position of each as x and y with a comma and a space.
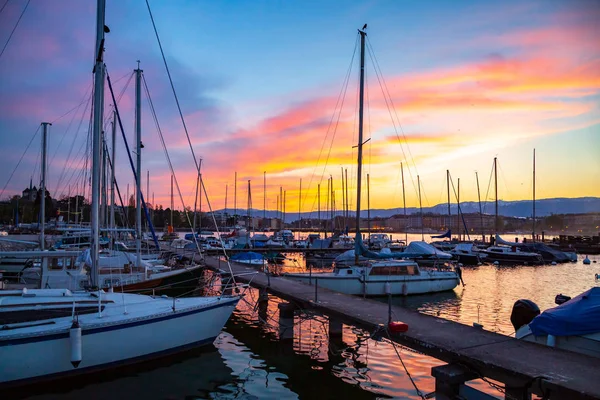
513, 362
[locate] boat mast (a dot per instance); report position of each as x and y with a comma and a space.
226, 187
299, 207
319, 204
138, 176
458, 207
421, 208
327, 206
264, 196
96, 145
347, 199
480, 212
234, 198
343, 198
368, 207
363, 34
404, 201
449, 212
43, 185
533, 195
112, 177
496, 191
172, 203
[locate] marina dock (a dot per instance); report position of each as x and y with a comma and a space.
470, 352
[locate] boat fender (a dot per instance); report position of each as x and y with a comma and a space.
397, 327
75, 341
387, 288
551, 341
404, 289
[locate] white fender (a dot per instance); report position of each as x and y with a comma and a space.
75, 341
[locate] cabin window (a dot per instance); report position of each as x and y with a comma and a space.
349, 272
71, 264
54, 265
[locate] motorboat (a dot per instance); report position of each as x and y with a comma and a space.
511, 255
381, 277
573, 325
467, 254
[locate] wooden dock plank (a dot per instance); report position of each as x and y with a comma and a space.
514, 362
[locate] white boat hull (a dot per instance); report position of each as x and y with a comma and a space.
406, 285
111, 340
585, 344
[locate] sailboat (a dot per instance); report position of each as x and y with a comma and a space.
505, 252
372, 273
51, 333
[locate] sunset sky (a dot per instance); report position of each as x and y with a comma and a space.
259, 82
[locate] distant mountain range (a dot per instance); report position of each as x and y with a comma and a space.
519, 208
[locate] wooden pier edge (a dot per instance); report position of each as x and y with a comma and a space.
521, 366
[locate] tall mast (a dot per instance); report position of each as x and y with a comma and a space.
196, 202
138, 175
496, 191
43, 185
421, 208
226, 187
458, 207
264, 195
343, 198
347, 199
200, 201
248, 212
172, 203
319, 204
148, 195
284, 201
234, 197
480, 212
327, 204
96, 145
368, 207
280, 208
363, 34
449, 211
533, 195
112, 174
404, 201
299, 207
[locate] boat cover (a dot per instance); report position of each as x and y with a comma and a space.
448, 235
578, 316
248, 255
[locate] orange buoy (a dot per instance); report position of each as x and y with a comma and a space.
397, 327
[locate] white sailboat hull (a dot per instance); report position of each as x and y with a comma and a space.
148, 330
427, 282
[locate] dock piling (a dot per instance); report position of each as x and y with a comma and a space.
448, 380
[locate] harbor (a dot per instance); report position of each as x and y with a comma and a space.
179, 226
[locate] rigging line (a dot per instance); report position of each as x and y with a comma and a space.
15, 28
419, 393
2, 9
85, 99
380, 80
162, 140
342, 91
74, 108
173, 88
485, 201
61, 176
20, 159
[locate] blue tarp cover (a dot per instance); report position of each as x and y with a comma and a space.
578, 316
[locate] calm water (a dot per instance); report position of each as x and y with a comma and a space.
262, 354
